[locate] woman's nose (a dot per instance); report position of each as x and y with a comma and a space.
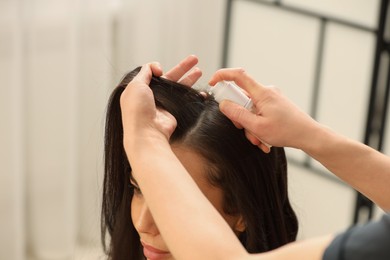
145, 222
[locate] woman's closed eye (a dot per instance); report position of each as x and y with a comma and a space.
135, 188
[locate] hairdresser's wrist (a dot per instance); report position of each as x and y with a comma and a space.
317, 140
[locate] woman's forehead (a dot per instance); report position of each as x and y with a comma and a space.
196, 165
191, 160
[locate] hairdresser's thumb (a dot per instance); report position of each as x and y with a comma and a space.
237, 114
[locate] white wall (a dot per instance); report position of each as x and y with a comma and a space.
55, 63
173, 30
59, 61
12, 141
281, 47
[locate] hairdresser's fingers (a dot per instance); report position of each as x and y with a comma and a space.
177, 72
240, 77
253, 139
238, 125
238, 114
264, 148
256, 141
192, 77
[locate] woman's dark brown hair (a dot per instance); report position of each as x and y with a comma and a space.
254, 183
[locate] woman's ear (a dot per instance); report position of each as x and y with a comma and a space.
240, 225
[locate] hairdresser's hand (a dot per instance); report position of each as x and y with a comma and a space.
277, 121
142, 122
186, 66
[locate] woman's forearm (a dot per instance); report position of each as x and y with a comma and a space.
312, 249
173, 198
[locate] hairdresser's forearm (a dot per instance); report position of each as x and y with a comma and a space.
174, 198
362, 167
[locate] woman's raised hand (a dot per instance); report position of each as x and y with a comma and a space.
141, 120
185, 72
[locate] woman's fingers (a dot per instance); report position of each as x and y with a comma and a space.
156, 69
137, 98
147, 71
192, 77
177, 72
138, 107
165, 122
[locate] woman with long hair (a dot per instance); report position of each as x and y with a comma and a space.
245, 185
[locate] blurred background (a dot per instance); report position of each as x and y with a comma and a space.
60, 60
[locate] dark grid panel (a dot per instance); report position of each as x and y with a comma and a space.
380, 83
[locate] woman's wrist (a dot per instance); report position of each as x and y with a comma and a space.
137, 144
